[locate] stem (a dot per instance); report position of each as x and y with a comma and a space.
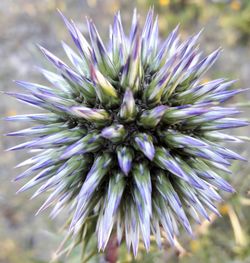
111, 254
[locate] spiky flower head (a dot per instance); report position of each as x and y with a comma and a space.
130, 134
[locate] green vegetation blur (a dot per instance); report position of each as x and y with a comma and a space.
231, 16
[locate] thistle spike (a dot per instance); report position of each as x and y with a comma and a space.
125, 157
105, 91
128, 109
151, 118
144, 143
115, 133
89, 114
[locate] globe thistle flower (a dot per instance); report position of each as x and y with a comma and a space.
130, 135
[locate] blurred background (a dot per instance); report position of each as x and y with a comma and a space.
25, 238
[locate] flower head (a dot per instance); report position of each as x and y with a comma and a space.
130, 134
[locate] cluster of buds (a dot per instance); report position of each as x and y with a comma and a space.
130, 135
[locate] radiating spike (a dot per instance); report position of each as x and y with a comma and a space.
132, 70
222, 96
40, 177
155, 228
154, 91
69, 168
226, 153
119, 226
206, 154
94, 177
37, 131
178, 140
225, 123
96, 115
146, 35
40, 117
176, 114
115, 133
100, 52
167, 49
76, 60
29, 99
125, 157
143, 217
106, 219
87, 90
128, 108
134, 26
165, 161
106, 93
77, 37
151, 118
142, 179
144, 143
118, 41
89, 143
213, 114
206, 63
163, 213
190, 195
218, 136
